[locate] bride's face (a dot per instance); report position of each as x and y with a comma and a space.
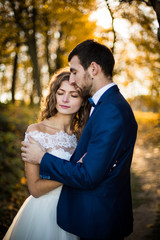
68, 100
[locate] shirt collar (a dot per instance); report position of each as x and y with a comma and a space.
100, 92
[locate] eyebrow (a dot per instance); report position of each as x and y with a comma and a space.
72, 69
69, 91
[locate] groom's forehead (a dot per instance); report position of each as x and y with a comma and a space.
75, 64
75, 61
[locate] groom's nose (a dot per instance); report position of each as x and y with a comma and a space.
72, 79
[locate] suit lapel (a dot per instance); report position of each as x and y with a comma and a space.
79, 151
108, 93
105, 95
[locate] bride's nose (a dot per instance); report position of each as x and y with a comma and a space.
65, 98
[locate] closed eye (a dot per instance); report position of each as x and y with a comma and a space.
73, 71
59, 93
75, 96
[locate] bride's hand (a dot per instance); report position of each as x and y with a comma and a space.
32, 151
81, 160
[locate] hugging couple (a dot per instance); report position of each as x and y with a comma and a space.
78, 157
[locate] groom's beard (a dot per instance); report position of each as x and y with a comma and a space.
87, 84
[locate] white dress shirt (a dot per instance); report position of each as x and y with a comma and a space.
99, 93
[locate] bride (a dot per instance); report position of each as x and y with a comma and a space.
63, 117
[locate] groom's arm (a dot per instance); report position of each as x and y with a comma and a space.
105, 143
111, 139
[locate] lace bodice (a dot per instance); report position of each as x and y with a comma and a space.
59, 144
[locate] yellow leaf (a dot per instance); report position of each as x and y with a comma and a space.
23, 180
10, 207
150, 225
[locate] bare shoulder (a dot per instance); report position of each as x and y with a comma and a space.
43, 126
33, 127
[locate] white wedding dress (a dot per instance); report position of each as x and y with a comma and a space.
36, 219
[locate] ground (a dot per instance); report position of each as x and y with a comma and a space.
146, 172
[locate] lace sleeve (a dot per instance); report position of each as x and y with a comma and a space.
59, 144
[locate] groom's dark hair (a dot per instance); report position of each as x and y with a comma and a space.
91, 51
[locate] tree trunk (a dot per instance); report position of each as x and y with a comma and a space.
59, 52
15, 64
47, 42
32, 49
33, 53
30, 41
50, 70
114, 33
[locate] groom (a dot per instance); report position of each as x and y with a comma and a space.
95, 202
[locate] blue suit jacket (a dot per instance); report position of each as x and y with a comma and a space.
95, 201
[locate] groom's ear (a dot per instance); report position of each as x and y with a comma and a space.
93, 69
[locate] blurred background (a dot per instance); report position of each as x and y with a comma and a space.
35, 40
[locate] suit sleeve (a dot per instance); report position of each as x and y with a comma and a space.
103, 146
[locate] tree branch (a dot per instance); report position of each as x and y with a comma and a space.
114, 33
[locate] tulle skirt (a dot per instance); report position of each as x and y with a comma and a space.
36, 220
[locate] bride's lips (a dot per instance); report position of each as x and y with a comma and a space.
64, 106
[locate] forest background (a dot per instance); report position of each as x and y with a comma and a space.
35, 39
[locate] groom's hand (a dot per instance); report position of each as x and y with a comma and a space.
81, 160
32, 152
